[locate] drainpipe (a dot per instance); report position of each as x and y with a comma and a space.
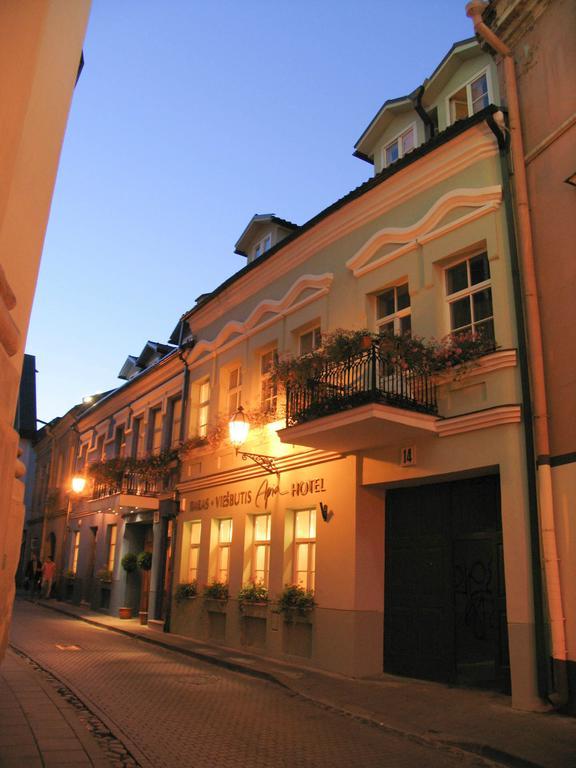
474, 10
421, 112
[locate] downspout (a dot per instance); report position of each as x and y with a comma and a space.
474, 10
421, 112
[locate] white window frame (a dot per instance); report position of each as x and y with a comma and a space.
173, 404
396, 316
467, 292
312, 330
261, 544
203, 410
221, 547
268, 402
194, 550
310, 544
233, 392
468, 85
260, 247
397, 140
154, 429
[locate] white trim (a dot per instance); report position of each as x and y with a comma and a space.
466, 84
469, 422
410, 127
484, 199
505, 358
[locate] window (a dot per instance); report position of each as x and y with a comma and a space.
155, 431
234, 390
138, 438
470, 99
261, 550
203, 408
310, 341
401, 145
119, 442
305, 548
268, 388
112, 538
223, 556
393, 311
81, 463
75, 551
175, 419
264, 245
194, 554
470, 296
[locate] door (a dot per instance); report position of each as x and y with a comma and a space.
445, 612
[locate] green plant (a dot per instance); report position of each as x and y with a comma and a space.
296, 599
253, 593
144, 561
129, 562
104, 574
217, 590
186, 591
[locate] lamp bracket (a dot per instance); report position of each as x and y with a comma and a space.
266, 462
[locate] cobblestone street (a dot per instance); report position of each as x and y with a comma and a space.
176, 711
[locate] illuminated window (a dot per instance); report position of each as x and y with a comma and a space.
393, 311
268, 388
305, 548
112, 537
471, 98
401, 146
203, 408
75, 551
234, 390
261, 550
310, 341
194, 554
470, 296
223, 555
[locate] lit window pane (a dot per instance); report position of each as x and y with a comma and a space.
195, 530
479, 269
312, 529
262, 527
225, 532
482, 304
457, 278
385, 303
305, 524
402, 297
460, 313
301, 557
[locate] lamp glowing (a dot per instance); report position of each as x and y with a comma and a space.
78, 484
238, 428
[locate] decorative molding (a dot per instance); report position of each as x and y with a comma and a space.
9, 332
289, 303
469, 422
484, 200
504, 358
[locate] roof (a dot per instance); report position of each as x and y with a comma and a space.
461, 126
257, 222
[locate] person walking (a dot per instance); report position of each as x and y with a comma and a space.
48, 571
33, 575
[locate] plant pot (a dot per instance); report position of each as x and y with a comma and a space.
125, 613
366, 342
214, 605
143, 616
254, 610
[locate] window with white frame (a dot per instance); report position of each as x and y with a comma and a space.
223, 553
264, 245
112, 539
203, 408
261, 550
268, 388
401, 145
194, 551
175, 419
469, 294
75, 551
393, 313
305, 548
234, 392
310, 340
469, 99
155, 430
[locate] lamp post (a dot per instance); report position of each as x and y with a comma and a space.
77, 485
238, 429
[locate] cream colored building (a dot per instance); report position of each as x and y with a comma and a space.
407, 515
40, 53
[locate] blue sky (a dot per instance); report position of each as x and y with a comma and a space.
189, 117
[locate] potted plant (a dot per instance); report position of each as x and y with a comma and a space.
253, 599
216, 595
295, 601
129, 562
104, 575
186, 591
144, 561
125, 612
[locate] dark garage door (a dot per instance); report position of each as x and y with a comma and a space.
445, 611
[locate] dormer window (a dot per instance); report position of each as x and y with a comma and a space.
401, 145
471, 98
264, 245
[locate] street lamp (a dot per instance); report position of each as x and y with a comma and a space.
238, 429
77, 485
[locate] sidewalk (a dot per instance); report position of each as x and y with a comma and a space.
38, 728
481, 722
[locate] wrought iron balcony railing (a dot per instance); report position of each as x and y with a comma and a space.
134, 484
366, 378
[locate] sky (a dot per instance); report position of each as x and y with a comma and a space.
190, 116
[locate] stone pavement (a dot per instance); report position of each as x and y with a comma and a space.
38, 726
479, 722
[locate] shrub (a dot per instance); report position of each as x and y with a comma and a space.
104, 574
185, 591
295, 598
253, 593
129, 562
217, 590
144, 561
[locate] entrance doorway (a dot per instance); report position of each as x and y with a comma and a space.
445, 611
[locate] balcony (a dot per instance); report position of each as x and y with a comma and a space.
360, 403
133, 484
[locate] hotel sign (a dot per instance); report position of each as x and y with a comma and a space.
259, 497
